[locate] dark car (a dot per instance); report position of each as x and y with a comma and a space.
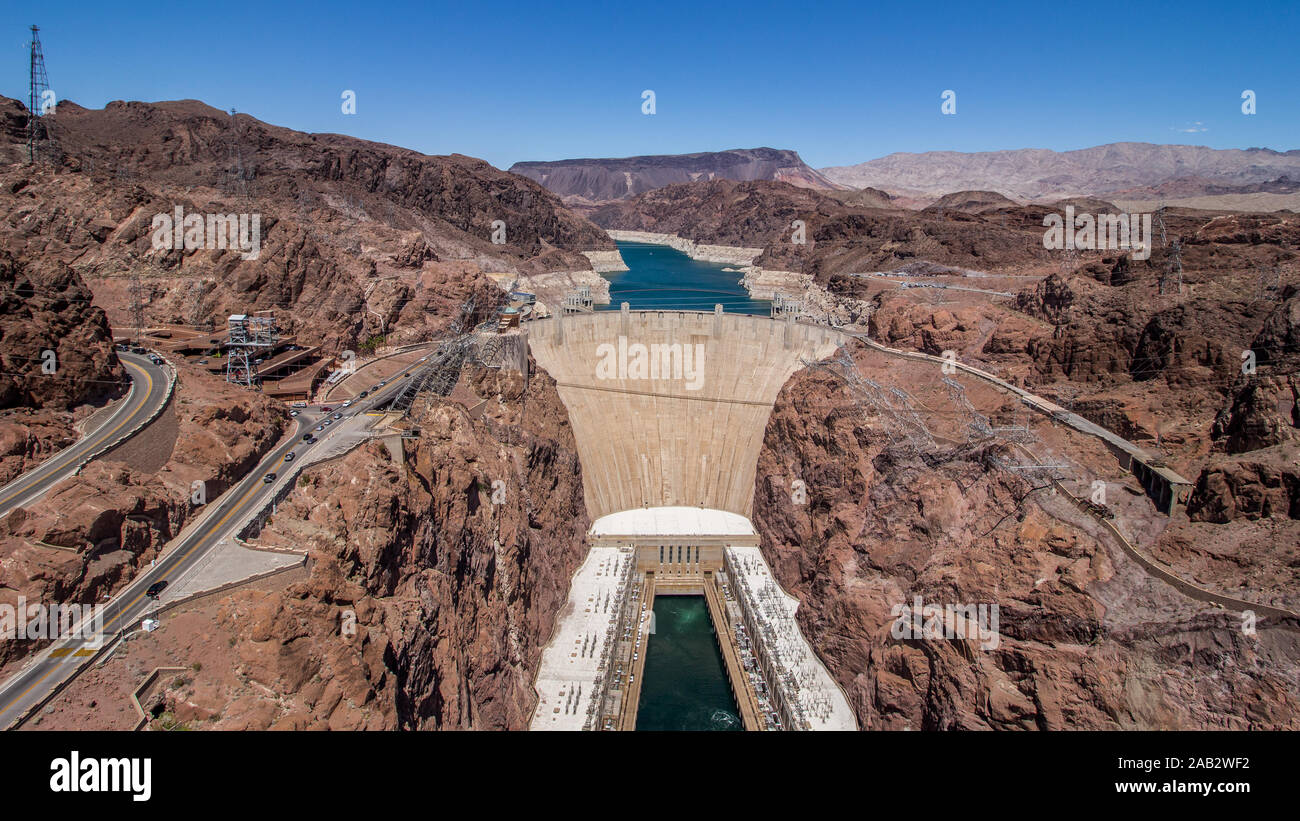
156, 588
364, 394
307, 437
288, 457
326, 409
268, 478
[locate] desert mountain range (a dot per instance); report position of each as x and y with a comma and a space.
1134, 175
592, 181
1040, 174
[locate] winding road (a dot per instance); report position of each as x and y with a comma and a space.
61, 662
149, 392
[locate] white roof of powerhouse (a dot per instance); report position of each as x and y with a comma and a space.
672, 521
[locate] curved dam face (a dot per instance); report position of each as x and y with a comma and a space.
669, 407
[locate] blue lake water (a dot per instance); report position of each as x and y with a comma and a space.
663, 278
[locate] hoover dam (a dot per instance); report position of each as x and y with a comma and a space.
668, 410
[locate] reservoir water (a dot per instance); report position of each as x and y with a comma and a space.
684, 686
665, 278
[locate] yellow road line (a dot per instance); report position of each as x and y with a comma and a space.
24, 693
121, 610
106, 437
188, 553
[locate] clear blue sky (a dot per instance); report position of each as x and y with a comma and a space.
840, 82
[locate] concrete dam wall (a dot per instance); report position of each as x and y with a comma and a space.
669, 407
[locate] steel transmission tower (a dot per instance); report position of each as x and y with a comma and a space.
1270, 282
236, 179
251, 337
137, 292
1172, 278
40, 85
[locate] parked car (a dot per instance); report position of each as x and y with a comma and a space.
364, 394
347, 403
307, 437
320, 428
293, 413
337, 416
326, 409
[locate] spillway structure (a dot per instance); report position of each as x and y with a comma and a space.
668, 410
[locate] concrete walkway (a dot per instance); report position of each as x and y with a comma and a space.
226, 564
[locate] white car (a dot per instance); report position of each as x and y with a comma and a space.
347, 403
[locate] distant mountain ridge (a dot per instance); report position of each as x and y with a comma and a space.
1039, 174
600, 180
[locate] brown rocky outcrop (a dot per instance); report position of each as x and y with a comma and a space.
1265, 485
452, 581
355, 236
1086, 642
49, 323
44, 306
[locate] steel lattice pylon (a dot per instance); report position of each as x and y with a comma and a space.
1172, 278
249, 337
441, 372
978, 425
40, 85
892, 403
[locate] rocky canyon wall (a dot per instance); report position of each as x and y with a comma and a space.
434, 582
1087, 640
